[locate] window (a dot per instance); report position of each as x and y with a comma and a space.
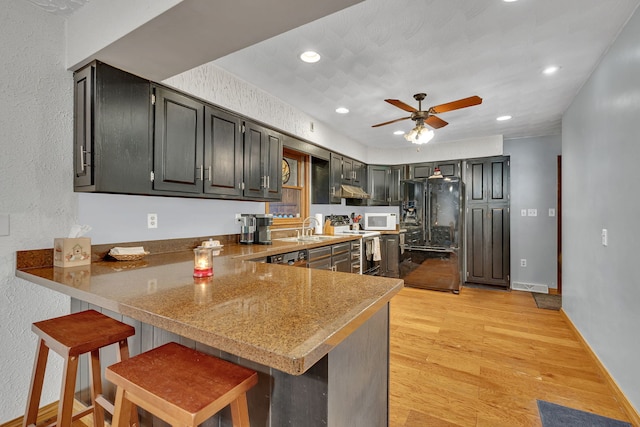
294, 206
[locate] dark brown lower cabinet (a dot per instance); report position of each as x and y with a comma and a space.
488, 245
390, 254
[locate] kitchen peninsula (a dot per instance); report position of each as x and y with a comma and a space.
318, 339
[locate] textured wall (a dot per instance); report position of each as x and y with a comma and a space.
533, 185
35, 185
219, 87
600, 153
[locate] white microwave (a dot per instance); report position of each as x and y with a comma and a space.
380, 221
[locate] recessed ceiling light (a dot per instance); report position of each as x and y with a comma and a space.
310, 56
503, 118
342, 110
399, 132
550, 70
509, 1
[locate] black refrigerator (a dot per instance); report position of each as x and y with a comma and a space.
435, 263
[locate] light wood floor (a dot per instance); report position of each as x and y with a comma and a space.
483, 357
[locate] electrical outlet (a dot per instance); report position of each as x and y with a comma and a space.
152, 220
523, 262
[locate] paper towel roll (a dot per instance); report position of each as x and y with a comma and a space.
318, 218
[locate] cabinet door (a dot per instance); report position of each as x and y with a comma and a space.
335, 178
262, 163
254, 145
82, 131
273, 165
449, 168
342, 262
223, 152
420, 170
487, 180
178, 143
359, 174
378, 178
347, 171
395, 174
321, 264
487, 221
390, 254
488, 245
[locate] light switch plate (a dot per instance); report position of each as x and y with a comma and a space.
552, 212
4, 224
523, 212
605, 237
533, 212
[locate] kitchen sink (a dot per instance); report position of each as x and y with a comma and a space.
317, 238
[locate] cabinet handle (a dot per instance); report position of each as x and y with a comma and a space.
268, 181
208, 173
82, 163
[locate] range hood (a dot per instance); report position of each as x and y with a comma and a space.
352, 192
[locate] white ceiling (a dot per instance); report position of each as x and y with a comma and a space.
450, 49
380, 49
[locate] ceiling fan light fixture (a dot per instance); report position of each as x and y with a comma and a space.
419, 135
310, 56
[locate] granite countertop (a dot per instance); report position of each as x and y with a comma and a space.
284, 317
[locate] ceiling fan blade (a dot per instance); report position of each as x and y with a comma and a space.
456, 105
435, 122
401, 105
390, 121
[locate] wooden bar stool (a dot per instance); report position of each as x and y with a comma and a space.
71, 336
183, 387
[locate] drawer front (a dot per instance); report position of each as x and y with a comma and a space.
318, 253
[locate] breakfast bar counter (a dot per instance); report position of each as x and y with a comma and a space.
315, 336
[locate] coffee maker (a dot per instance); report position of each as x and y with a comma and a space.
247, 228
262, 235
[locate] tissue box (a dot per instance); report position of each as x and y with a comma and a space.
71, 252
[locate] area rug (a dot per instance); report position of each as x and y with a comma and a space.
553, 415
547, 301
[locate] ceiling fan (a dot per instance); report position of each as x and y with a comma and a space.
422, 117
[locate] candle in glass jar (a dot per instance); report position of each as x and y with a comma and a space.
203, 262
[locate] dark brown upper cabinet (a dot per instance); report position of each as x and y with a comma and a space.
262, 163
178, 143
111, 131
223, 154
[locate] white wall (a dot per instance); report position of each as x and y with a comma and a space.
35, 186
600, 151
534, 186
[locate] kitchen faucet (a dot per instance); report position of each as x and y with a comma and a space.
305, 220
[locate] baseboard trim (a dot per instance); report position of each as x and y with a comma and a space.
631, 412
47, 415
